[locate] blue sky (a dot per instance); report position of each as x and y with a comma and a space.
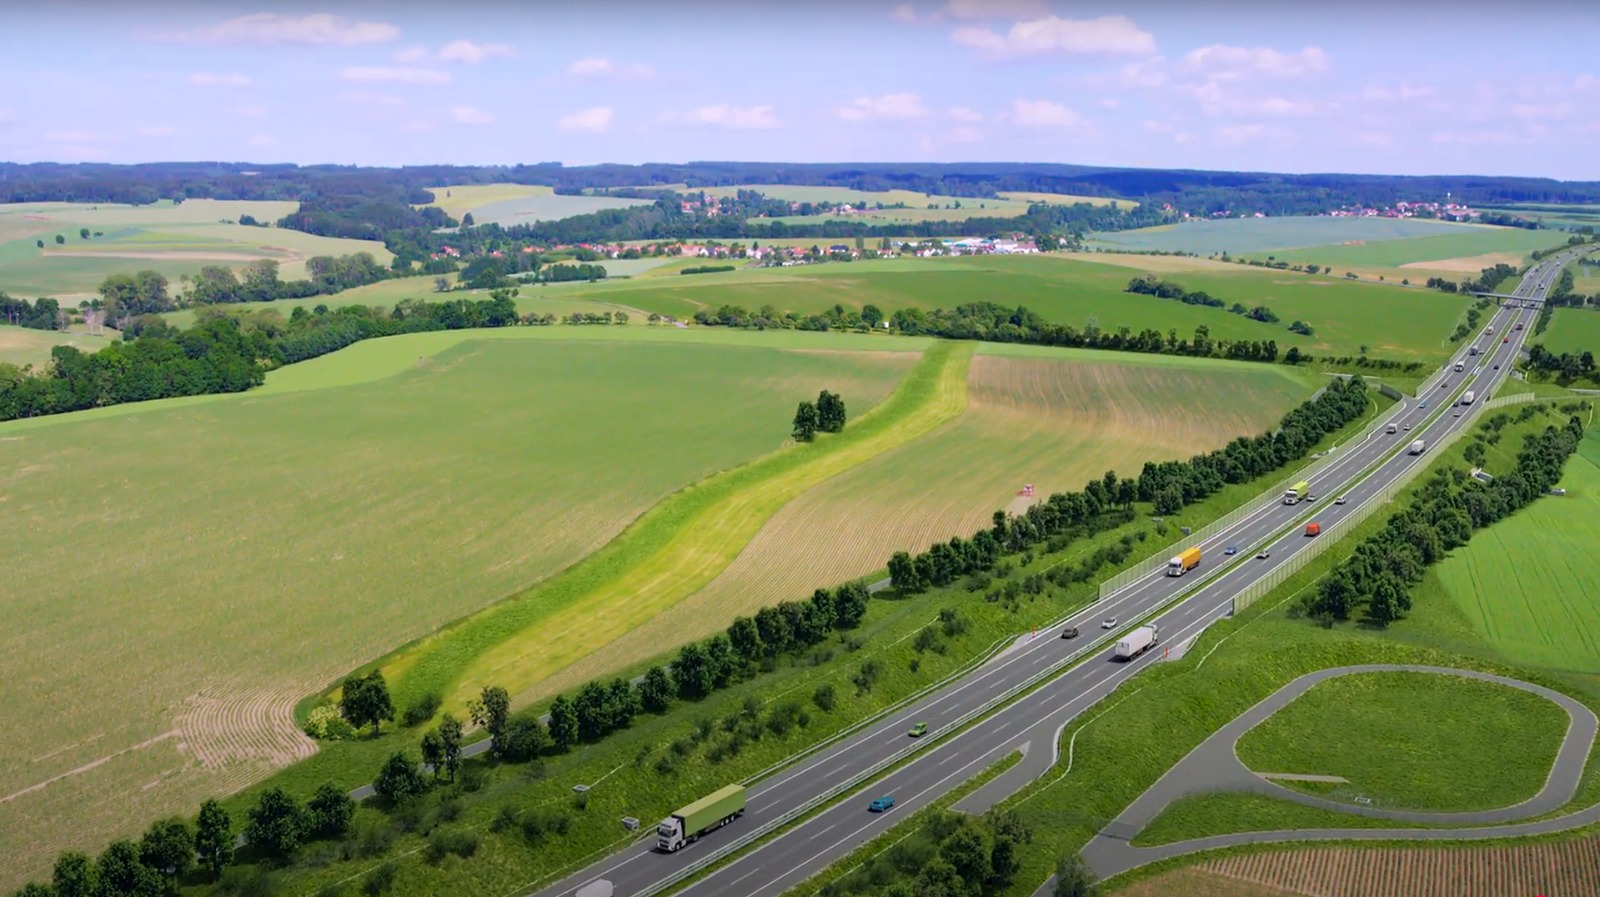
1362, 86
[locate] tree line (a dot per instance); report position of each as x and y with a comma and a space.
221, 353
1151, 285
1566, 367
947, 855
1377, 578
43, 314
1168, 485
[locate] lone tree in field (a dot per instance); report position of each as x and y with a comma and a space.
805, 422
830, 412
365, 701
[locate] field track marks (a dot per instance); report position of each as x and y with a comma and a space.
92, 764
670, 551
236, 725
1564, 869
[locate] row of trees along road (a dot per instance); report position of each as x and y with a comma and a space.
1449, 507
1168, 485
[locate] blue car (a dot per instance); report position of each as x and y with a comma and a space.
1232, 549
881, 804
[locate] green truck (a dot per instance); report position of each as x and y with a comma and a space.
1297, 493
710, 812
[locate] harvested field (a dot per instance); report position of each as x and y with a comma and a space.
1471, 264
339, 522
510, 204
1056, 420
1564, 869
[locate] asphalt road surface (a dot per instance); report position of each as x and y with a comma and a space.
1213, 766
1035, 721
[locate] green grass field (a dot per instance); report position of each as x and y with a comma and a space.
1413, 741
1572, 330
1394, 322
512, 204
244, 551
1545, 614
1055, 418
172, 239
21, 346
1247, 236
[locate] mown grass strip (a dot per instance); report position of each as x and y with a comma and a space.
672, 550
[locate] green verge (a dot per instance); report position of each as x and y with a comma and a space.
622, 767
1148, 726
673, 549
1412, 741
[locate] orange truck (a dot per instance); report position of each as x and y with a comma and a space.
1184, 562
1313, 529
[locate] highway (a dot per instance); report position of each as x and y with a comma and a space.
1037, 718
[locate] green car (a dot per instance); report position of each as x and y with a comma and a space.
919, 730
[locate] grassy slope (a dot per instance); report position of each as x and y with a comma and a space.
21, 346
1545, 615
1054, 418
667, 554
1121, 747
1413, 741
344, 521
173, 240
1573, 330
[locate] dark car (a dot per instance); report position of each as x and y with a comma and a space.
1070, 632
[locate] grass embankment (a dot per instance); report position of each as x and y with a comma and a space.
1412, 741
1121, 748
673, 549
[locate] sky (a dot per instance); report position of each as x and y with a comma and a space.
1391, 87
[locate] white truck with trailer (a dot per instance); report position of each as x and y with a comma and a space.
1136, 642
1417, 447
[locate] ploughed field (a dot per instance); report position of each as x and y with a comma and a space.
193, 569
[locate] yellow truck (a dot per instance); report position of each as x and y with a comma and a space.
1184, 562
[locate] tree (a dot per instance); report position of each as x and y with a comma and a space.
590, 707
364, 701
490, 713
73, 876
168, 848
1073, 878
450, 736
871, 315
34, 889
525, 740
60, 240
903, 573
433, 753
441, 285
805, 422
467, 221
563, 723
329, 812
692, 671
655, 692
39, 243
213, 837
277, 823
121, 873
830, 413
83, 233
399, 782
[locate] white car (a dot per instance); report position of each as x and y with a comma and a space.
1340, 500
1108, 623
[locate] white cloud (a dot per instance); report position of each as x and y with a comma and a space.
890, 107
1159, 127
6, 115
906, 13
412, 55
1541, 110
419, 125
363, 98
595, 120
1236, 135
213, 79
1051, 34
733, 118
1373, 138
395, 75
471, 115
317, 29
997, 9
1044, 114
1147, 73
249, 111
262, 140
1404, 91
961, 113
470, 53
1586, 82
152, 130
1107, 103
600, 67
1223, 62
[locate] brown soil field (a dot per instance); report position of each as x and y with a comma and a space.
1565, 869
1471, 264
1053, 423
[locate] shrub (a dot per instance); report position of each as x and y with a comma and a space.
421, 710
504, 818
324, 723
379, 880
824, 697
442, 843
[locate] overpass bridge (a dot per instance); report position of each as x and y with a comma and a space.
1507, 301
